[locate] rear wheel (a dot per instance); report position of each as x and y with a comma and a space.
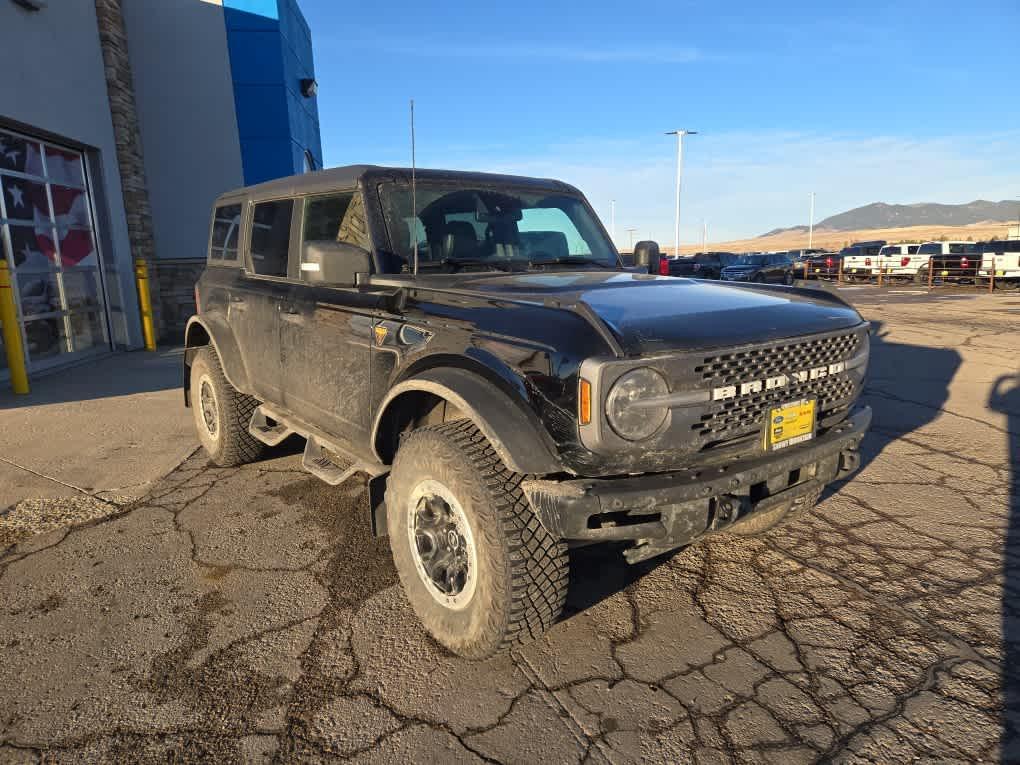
478, 568
788, 279
921, 277
221, 413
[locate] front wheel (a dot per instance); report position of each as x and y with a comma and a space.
788, 279
480, 571
921, 277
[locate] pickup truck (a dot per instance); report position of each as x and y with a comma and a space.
474, 347
897, 261
856, 259
821, 265
957, 261
1003, 257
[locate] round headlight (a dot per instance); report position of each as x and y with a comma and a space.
626, 405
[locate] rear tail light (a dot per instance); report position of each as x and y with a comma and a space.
905, 261
867, 261
828, 262
964, 262
664, 267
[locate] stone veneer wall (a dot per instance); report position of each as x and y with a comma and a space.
121, 93
176, 290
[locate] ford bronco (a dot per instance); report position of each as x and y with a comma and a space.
473, 345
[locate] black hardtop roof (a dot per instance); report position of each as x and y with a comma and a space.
349, 176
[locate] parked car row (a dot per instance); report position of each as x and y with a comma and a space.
860, 261
757, 267
911, 262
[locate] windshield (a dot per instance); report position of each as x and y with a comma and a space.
491, 226
749, 260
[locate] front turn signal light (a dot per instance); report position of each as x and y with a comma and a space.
584, 402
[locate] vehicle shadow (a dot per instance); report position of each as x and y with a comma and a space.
907, 386
1005, 399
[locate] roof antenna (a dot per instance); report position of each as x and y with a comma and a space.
414, 200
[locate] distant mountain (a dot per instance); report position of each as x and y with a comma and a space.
881, 215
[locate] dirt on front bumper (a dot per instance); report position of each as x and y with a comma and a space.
663, 511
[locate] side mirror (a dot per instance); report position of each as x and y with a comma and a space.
647, 257
327, 262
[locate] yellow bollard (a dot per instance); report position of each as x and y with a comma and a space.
12, 331
145, 303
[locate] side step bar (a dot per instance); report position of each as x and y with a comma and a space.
270, 435
316, 459
318, 463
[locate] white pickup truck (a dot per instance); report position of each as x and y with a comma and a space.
899, 261
1004, 258
858, 259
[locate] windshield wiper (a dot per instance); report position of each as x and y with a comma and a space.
457, 263
570, 260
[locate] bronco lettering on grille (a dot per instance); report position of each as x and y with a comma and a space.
774, 383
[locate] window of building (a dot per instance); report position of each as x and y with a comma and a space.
226, 225
270, 237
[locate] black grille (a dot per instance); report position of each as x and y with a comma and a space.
759, 363
745, 414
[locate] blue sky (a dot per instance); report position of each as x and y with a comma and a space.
861, 102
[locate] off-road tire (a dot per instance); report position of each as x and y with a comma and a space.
783, 515
231, 444
522, 570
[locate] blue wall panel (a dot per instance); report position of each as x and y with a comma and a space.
270, 53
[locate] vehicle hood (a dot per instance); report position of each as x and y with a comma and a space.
652, 314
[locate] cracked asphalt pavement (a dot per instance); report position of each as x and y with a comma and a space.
248, 615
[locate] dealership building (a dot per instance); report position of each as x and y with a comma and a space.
120, 122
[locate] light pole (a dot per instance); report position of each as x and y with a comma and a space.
704, 234
679, 172
811, 222
631, 231
612, 219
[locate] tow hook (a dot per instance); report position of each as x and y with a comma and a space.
849, 461
727, 510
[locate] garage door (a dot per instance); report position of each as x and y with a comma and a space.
49, 240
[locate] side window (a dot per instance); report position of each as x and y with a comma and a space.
270, 237
225, 228
336, 218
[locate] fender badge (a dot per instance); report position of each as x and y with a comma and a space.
380, 334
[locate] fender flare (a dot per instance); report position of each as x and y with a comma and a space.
515, 433
223, 342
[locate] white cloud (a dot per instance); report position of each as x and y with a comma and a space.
746, 183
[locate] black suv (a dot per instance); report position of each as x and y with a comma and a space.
473, 344
701, 265
763, 268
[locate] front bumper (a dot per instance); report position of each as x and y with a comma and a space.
663, 511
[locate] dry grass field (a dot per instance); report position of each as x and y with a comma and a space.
834, 240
